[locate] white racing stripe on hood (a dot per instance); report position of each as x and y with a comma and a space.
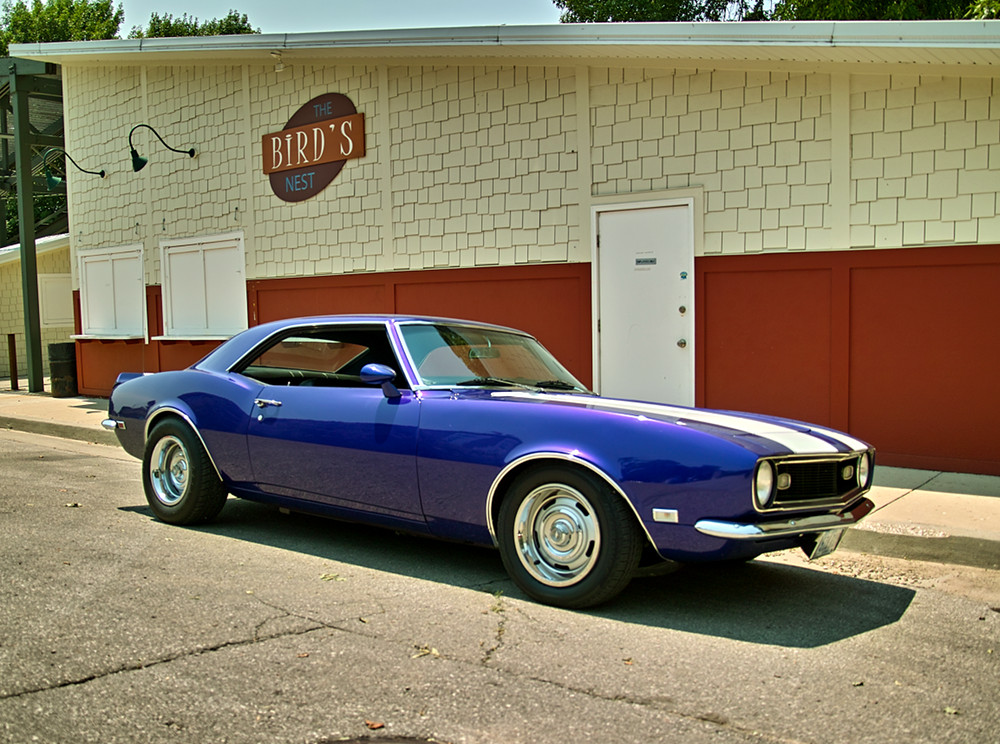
839, 436
799, 442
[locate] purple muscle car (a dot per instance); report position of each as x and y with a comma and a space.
474, 432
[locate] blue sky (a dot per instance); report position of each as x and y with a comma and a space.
295, 16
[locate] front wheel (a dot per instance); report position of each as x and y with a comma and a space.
180, 482
566, 538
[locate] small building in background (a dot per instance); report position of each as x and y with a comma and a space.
55, 300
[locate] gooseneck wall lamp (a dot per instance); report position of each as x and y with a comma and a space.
53, 181
139, 162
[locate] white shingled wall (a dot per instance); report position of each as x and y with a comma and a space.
470, 165
925, 160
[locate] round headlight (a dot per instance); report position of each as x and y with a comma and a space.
864, 469
763, 486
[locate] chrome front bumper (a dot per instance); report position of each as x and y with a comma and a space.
786, 528
112, 424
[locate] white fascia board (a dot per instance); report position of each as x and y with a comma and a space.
638, 38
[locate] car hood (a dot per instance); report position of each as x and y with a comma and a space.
763, 434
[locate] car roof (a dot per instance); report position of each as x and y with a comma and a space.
226, 355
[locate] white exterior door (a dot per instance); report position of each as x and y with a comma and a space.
645, 307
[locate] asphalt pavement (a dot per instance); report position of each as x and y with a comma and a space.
920, 514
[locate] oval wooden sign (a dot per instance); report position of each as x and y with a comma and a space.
303, 158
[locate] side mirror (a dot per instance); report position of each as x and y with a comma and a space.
380, 374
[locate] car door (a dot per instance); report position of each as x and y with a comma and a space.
317, 432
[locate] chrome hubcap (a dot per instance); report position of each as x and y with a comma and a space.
557, 535
168, 470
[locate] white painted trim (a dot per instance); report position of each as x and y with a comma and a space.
246, 220
584, 156
48, 244
839, 218
382, 127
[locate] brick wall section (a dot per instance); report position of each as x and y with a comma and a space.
12, 311
470, 165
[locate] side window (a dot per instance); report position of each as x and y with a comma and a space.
329, 357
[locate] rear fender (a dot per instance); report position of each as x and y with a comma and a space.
172, 411
124, 377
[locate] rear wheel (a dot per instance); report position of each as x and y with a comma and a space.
566, 538
180, 482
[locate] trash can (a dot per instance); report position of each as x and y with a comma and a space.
62, 369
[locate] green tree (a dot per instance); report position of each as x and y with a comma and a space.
984, 9
869, 10
167, 25
598, 11
58, 20
605, 11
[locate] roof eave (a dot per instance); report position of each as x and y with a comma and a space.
835, 40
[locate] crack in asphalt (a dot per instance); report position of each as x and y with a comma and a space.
199, 651
315, 620
501, 612
662, 704
157, 662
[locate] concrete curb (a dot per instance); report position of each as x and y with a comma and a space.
55, 429
954, 549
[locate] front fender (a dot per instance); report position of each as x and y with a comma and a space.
525, 461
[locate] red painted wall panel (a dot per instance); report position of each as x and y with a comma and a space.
767, 337
925, 362
556, 310
550, 301
99, 363
899, 347
181, 354
291, 298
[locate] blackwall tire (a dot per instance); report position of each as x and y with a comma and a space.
180, 483
566, 538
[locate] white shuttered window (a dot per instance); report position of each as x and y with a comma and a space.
113, 293
204, 287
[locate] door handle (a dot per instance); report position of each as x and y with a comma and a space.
264, 403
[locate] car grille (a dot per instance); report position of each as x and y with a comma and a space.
817, 483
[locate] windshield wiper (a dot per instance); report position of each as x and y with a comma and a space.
559, 385
492, 381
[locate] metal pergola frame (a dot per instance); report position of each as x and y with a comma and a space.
29, 80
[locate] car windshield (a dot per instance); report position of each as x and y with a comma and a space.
462, 356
